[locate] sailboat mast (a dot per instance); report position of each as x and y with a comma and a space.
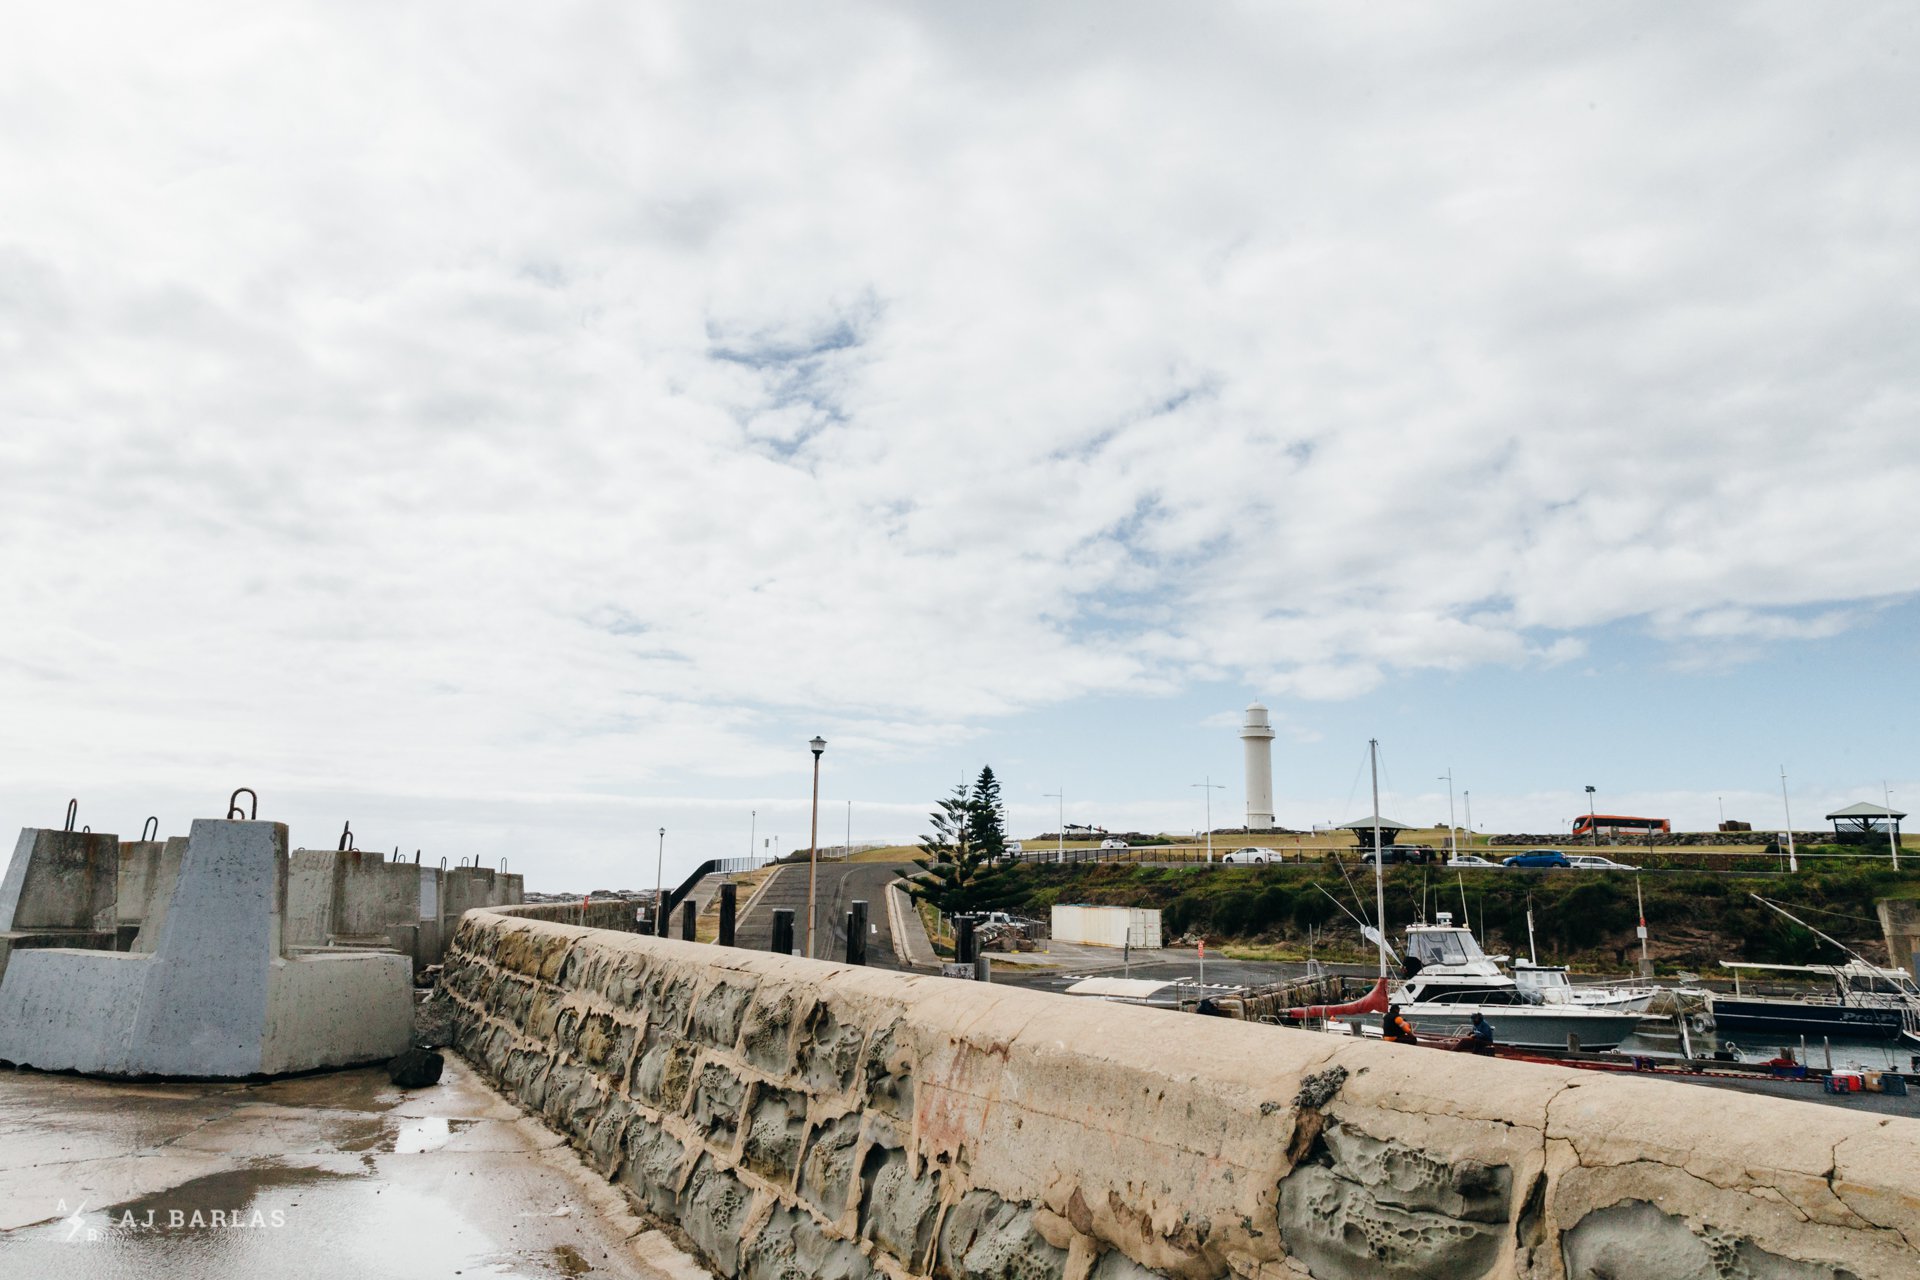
1379, 873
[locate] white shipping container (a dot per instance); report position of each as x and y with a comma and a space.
1138, 927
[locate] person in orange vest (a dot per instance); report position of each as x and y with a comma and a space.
1397, 1028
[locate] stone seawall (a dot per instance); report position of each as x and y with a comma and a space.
799, 1118
616, 914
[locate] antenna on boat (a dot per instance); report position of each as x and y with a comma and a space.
1531, 957
1465, 919
1379, 873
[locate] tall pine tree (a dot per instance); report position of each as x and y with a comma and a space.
956, 872
985, 825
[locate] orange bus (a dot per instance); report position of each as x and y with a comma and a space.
1593, 823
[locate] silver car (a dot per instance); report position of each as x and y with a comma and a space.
1248, 856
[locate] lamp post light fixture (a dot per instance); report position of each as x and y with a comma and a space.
659, 887
813, 841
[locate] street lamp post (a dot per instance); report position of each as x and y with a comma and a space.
1466, 798
1593, 821
813, 841
1453, 832
1210, 786
1060, 836
659, 887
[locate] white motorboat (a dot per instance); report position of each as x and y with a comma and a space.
1551, 983
1449, 979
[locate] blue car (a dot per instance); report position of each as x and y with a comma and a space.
1537, 858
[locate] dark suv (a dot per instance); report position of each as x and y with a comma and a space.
1393, 853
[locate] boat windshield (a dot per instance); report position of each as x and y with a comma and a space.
1443, 946
1528, 976
1883, 984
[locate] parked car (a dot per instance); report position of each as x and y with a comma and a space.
1398, 853
1248, 856
1594, 862
1470, 860
1538, 858
1014, 846
1113, 844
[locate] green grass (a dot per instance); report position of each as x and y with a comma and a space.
1586, 918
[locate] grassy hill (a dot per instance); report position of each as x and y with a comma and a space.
1585, 918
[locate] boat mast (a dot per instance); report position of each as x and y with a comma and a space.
1379, 873
1646, 965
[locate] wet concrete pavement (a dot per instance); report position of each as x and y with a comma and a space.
324, 1176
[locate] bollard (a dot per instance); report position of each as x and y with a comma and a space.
783, 931
729, 891
857, 933
963, 941
982, 968
686, 922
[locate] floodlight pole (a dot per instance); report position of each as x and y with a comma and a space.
1453, 832
1060, 836
1210, 787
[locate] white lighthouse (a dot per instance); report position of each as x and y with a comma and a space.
1257, 734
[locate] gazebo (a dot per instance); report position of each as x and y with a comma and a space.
1362, 828
1862, 823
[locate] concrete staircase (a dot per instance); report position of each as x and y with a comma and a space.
785, 888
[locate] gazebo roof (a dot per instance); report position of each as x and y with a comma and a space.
1370, 822
1865, 810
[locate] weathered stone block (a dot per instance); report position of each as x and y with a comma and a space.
718, 1100
791, 1246
829, 1050
662, 1071
775, 1130
896, 1208
985, 1238
713, 1210
827, 1173
889, 1067
718, 1014
1358, 1208
1638, 1239
668, 998
651, 1170
769, 1032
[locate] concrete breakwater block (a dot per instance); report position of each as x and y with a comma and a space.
210, 990
58, 891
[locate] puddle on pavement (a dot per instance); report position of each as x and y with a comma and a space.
289, 1223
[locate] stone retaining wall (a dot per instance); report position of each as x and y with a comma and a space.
799, 1118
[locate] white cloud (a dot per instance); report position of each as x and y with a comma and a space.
491, 399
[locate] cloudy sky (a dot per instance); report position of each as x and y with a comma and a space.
519, 428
